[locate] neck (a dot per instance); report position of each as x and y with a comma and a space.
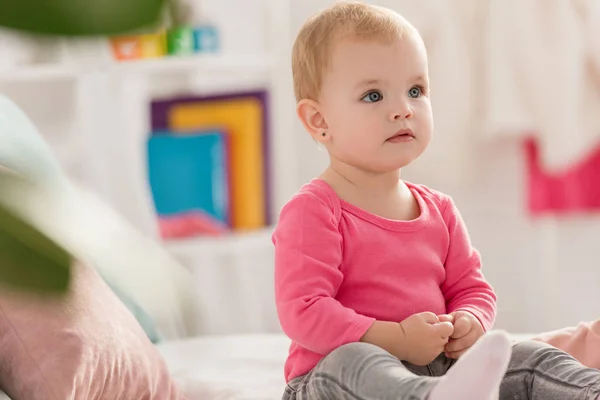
375, 183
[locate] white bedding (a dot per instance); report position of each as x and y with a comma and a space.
245, 367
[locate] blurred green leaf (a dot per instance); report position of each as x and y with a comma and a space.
29, 260
80, 17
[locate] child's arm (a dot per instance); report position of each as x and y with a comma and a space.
465, 287
308, 254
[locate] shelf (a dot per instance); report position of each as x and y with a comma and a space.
204, 62
226, 243
211, 63
38, 73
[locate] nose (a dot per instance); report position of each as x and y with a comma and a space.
403, 111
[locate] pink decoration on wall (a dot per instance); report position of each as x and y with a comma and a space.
574, 190
190, 224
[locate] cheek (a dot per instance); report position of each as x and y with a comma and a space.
361, 128
346, 118
425, 116
334, 114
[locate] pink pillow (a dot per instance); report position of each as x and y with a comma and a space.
581, 341
85, 346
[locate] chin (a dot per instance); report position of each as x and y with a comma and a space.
397, 164
391, 167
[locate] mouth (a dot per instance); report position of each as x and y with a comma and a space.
402, 135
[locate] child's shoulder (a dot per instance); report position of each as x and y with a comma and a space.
439, 199
316, 194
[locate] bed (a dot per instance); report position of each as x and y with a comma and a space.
237, 367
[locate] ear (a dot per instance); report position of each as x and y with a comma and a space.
309, 112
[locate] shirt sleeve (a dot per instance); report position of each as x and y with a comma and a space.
308, 254
465, 287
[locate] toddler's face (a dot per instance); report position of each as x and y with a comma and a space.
375, 102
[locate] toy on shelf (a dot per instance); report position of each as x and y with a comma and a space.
206, 39
244, 117
180, 41
153, 45
177, 41
192, 21
189, 224
126, 48
182, 32
189, 180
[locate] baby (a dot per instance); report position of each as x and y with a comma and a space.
376, 281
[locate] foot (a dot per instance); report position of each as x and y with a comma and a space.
478, 373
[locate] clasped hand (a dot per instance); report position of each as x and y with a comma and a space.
467, 330
427, 335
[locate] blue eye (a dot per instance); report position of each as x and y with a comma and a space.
372, 97
415, 92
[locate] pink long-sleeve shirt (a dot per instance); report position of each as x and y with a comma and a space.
339, 268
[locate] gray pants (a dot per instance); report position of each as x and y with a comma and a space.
360, 371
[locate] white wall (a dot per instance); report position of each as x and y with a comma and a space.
545, 272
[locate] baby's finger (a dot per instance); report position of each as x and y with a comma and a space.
461, 344
456, 355
445, 318
462, 326
429, 317
444, 329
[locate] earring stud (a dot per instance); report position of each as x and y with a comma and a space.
323, 134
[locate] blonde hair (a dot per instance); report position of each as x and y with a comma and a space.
345, 19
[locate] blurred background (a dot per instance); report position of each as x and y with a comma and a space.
190, 133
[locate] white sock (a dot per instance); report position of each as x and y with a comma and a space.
478, 373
